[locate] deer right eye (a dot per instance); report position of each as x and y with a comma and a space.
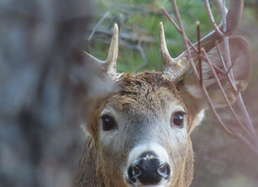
178, 119
108, 122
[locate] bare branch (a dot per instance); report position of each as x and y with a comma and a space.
230, 20
224, 94
95, 27
199, 51
215, 27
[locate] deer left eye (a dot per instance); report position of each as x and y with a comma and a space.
108, 122
178, 119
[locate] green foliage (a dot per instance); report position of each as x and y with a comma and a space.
140, 19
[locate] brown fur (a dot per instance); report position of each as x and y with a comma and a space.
147, 92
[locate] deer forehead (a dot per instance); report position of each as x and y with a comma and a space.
146, 92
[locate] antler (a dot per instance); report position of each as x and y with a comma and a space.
108, 66
175, 67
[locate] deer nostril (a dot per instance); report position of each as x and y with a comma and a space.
134, 172
164, 170
137, 170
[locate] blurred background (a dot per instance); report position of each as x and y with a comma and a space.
44, 80
219, 159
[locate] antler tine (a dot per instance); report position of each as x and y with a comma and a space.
180, 64
108, 66
110, 63
166, 58
171, 66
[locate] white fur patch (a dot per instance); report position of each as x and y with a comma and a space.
194, 91
201, 117
84, 128
157, 149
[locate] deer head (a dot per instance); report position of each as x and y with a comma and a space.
140, 135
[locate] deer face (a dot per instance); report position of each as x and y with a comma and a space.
141, 133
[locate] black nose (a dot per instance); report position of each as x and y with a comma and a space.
148, 169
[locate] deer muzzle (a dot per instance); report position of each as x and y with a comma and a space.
148, 165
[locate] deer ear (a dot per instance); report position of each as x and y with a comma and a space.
240, 55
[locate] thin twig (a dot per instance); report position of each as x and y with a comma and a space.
140, 49
185, 39
224, 94
241, 104
199, 51
215, 27
222, 10
225, 68
178, 29
254, 149
94, 29
145, 60
223, 20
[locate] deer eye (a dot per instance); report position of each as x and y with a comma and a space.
108, 122
178, 119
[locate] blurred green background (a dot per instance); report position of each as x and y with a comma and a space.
219, 159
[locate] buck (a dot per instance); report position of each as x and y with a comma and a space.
140, 134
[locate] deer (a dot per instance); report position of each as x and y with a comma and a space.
139, 135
